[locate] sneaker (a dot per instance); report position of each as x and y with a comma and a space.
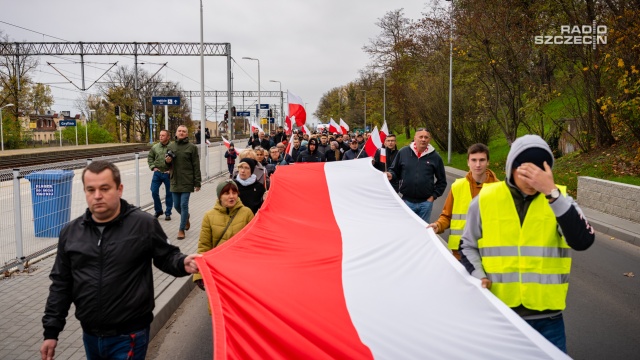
157, 215
167, 218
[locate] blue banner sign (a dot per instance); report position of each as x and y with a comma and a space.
165, 100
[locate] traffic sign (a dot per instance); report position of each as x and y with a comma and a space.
67, 123
165, 100
243, 113
264, 106
263, 120
272, 120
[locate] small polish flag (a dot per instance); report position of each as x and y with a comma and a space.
334, 127
305, 130
373, 142
383, 155
226, 142
296, 109
255, 126
384, 132
288, 128
344, 126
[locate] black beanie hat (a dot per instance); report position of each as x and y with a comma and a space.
313, 142
231, 144
534, 155
249, 161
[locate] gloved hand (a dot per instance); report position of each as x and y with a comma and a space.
200, 284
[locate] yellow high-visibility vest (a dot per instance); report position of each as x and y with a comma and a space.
528, 265
461, 190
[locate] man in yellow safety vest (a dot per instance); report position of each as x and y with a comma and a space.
454, 213
518, 237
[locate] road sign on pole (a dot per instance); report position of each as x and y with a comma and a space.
243, 113
67, 123
264, 106
166, 100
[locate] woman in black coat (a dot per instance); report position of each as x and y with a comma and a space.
250, 191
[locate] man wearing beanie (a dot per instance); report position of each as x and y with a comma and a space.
311, 154
528, 226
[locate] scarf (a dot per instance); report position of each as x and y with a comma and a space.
247, 182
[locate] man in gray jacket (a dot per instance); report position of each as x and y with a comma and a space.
156, 162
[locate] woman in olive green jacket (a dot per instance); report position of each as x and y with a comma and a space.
226, 219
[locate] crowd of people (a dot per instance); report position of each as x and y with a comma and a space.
513, 235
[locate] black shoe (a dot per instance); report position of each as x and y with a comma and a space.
157, 215
167, 218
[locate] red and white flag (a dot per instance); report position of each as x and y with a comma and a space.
350, 288
373, 142
296, 109
334, 127
384, 132
305, 130
383, 155
226, 142
255, 126
344, 126
288, 128
289, 149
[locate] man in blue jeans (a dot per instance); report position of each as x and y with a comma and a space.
160, 170
182, 157
104, 267
415, 167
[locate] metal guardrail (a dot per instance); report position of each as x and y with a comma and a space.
18, 241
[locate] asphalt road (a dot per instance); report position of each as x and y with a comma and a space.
602, 318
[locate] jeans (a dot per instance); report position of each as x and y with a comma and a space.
181, 204
422, 209
158, 179
131, 346
231, 166
552, 328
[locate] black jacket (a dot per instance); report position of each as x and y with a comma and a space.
253, 142
351, 155
265, 144
306, 156
295, 152
108, 275
416, 176
251, 195
278, 137
391, 155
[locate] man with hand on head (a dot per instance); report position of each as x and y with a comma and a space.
528, 226
103, 267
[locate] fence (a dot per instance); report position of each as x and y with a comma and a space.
26, 234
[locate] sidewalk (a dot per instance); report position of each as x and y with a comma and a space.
23, 295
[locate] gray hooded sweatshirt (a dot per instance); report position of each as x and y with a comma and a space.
571, 222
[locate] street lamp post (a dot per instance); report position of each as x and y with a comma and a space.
86, 127
1, 130
450, 78
281, 102
259, 102
365, 110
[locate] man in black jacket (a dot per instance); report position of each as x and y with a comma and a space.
297, 149
311, 154
391, 151
415, 167
103, 266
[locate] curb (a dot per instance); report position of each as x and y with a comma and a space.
168, 302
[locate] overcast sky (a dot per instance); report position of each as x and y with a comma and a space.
310, 46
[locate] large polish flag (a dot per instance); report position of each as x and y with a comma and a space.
296, 109
305, 130
344, 126
226, 142
373, 142
334, 127
343, 287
